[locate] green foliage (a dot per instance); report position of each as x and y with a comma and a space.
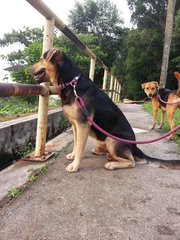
42, 169
32, 179
15, 105
143, 60
102, 19
149, 14
22, 151
175, 55
166, 127
13, 192
24, 37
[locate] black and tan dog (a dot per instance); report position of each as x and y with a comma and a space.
152, 91
54, 65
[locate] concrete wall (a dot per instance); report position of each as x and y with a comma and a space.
17, 133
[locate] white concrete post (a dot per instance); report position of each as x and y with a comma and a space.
105, 79
119, 94
111, 86
114, 92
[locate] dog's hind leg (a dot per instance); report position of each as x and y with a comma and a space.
99, 149
170, 113
71, 155
123, 158
82, 135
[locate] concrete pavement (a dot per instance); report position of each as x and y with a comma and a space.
94, 203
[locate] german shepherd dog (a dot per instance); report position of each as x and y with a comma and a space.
152, 91
57, 67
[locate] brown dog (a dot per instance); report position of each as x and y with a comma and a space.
152, 91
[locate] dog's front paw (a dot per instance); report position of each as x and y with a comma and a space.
109, 166
70, 156
169, 138
72, 167
151, 127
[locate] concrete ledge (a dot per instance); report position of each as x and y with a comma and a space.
18, 173
17, 133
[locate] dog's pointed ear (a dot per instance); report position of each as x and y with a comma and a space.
54, 54
143, 85
156, 84
177, 75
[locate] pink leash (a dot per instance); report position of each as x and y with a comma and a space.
81, 105
79, 102
170, 103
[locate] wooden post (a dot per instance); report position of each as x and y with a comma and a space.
43, 100
114, 92
105, 79
92, 69
111, 86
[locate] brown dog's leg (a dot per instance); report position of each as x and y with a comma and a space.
126, 160
162, 118
177, 75
82, 135
155, 110
99, 150
170, 113
71, 155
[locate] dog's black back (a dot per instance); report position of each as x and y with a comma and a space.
164, 94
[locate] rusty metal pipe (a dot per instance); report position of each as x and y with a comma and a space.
12, 89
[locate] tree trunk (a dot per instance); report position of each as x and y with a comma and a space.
167, 41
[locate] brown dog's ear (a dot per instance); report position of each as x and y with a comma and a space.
54, 53
177, 75
143, 85
156, 84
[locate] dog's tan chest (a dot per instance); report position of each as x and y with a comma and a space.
71, 112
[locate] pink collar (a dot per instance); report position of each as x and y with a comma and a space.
72, 83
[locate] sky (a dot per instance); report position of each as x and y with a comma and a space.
15, 14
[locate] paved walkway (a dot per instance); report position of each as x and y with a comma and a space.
94, 203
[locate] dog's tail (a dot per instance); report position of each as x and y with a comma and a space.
170, 164
177, 75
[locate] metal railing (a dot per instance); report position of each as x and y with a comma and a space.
44, 89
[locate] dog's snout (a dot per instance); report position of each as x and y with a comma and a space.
150, 94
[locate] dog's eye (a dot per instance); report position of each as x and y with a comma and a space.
147, 88
153, 88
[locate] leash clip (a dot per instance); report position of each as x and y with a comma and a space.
74, 88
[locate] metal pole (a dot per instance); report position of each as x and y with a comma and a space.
111, 86
92, 69
11, 89
43, 100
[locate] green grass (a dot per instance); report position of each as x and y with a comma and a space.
12, 107
166, 128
